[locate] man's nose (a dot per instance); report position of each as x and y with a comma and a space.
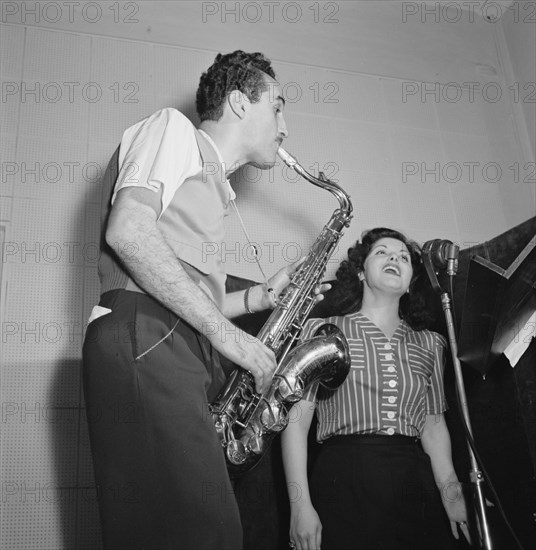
283, 131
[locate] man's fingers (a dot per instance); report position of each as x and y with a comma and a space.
319, 291
262, 380
263, 368
292, 268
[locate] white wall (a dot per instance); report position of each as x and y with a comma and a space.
387, 97
520, 37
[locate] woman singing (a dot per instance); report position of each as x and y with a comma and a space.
384, 473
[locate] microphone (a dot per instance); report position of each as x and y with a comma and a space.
442, 254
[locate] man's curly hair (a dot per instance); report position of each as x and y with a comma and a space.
348, 293
234, 71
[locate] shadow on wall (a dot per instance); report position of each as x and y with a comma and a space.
73, 487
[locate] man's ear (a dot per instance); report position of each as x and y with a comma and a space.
237, 102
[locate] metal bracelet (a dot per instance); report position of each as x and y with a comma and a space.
246, 300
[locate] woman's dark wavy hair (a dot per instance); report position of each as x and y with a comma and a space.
348, 294
233, 71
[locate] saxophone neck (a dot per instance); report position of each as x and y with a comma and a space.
323, 182
343, 198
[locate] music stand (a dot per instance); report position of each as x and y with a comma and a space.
497, 304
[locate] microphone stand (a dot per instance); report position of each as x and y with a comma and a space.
476, 476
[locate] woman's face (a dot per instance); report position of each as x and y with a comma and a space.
388, 267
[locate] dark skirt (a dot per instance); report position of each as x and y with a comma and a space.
378, 493
162, 482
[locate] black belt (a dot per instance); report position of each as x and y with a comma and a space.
372, 439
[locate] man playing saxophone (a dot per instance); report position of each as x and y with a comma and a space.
150, 363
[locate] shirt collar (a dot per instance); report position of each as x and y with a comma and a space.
399, 334
232, 194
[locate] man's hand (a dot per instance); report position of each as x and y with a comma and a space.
244, 350
267, 296
279, 282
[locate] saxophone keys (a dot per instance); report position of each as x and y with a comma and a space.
289, 390
256, 445
236, 452
274, 417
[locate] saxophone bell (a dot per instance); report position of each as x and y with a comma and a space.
338, 367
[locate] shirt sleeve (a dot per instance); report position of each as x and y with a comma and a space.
435, 397
160, 151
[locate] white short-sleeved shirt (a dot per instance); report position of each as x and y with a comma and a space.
161, 151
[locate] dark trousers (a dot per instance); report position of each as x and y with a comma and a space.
378, 493
159, 468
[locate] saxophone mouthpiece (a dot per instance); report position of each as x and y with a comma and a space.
287, 158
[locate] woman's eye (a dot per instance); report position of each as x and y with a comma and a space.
405, 259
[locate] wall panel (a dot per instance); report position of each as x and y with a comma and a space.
380, 100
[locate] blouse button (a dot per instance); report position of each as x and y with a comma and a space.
391, 369
392, 399
390, 431
390, 414
389, 357
392, 383
387, 346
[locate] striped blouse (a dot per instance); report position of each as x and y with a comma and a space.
392, 385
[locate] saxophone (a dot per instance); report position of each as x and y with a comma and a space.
246, 421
